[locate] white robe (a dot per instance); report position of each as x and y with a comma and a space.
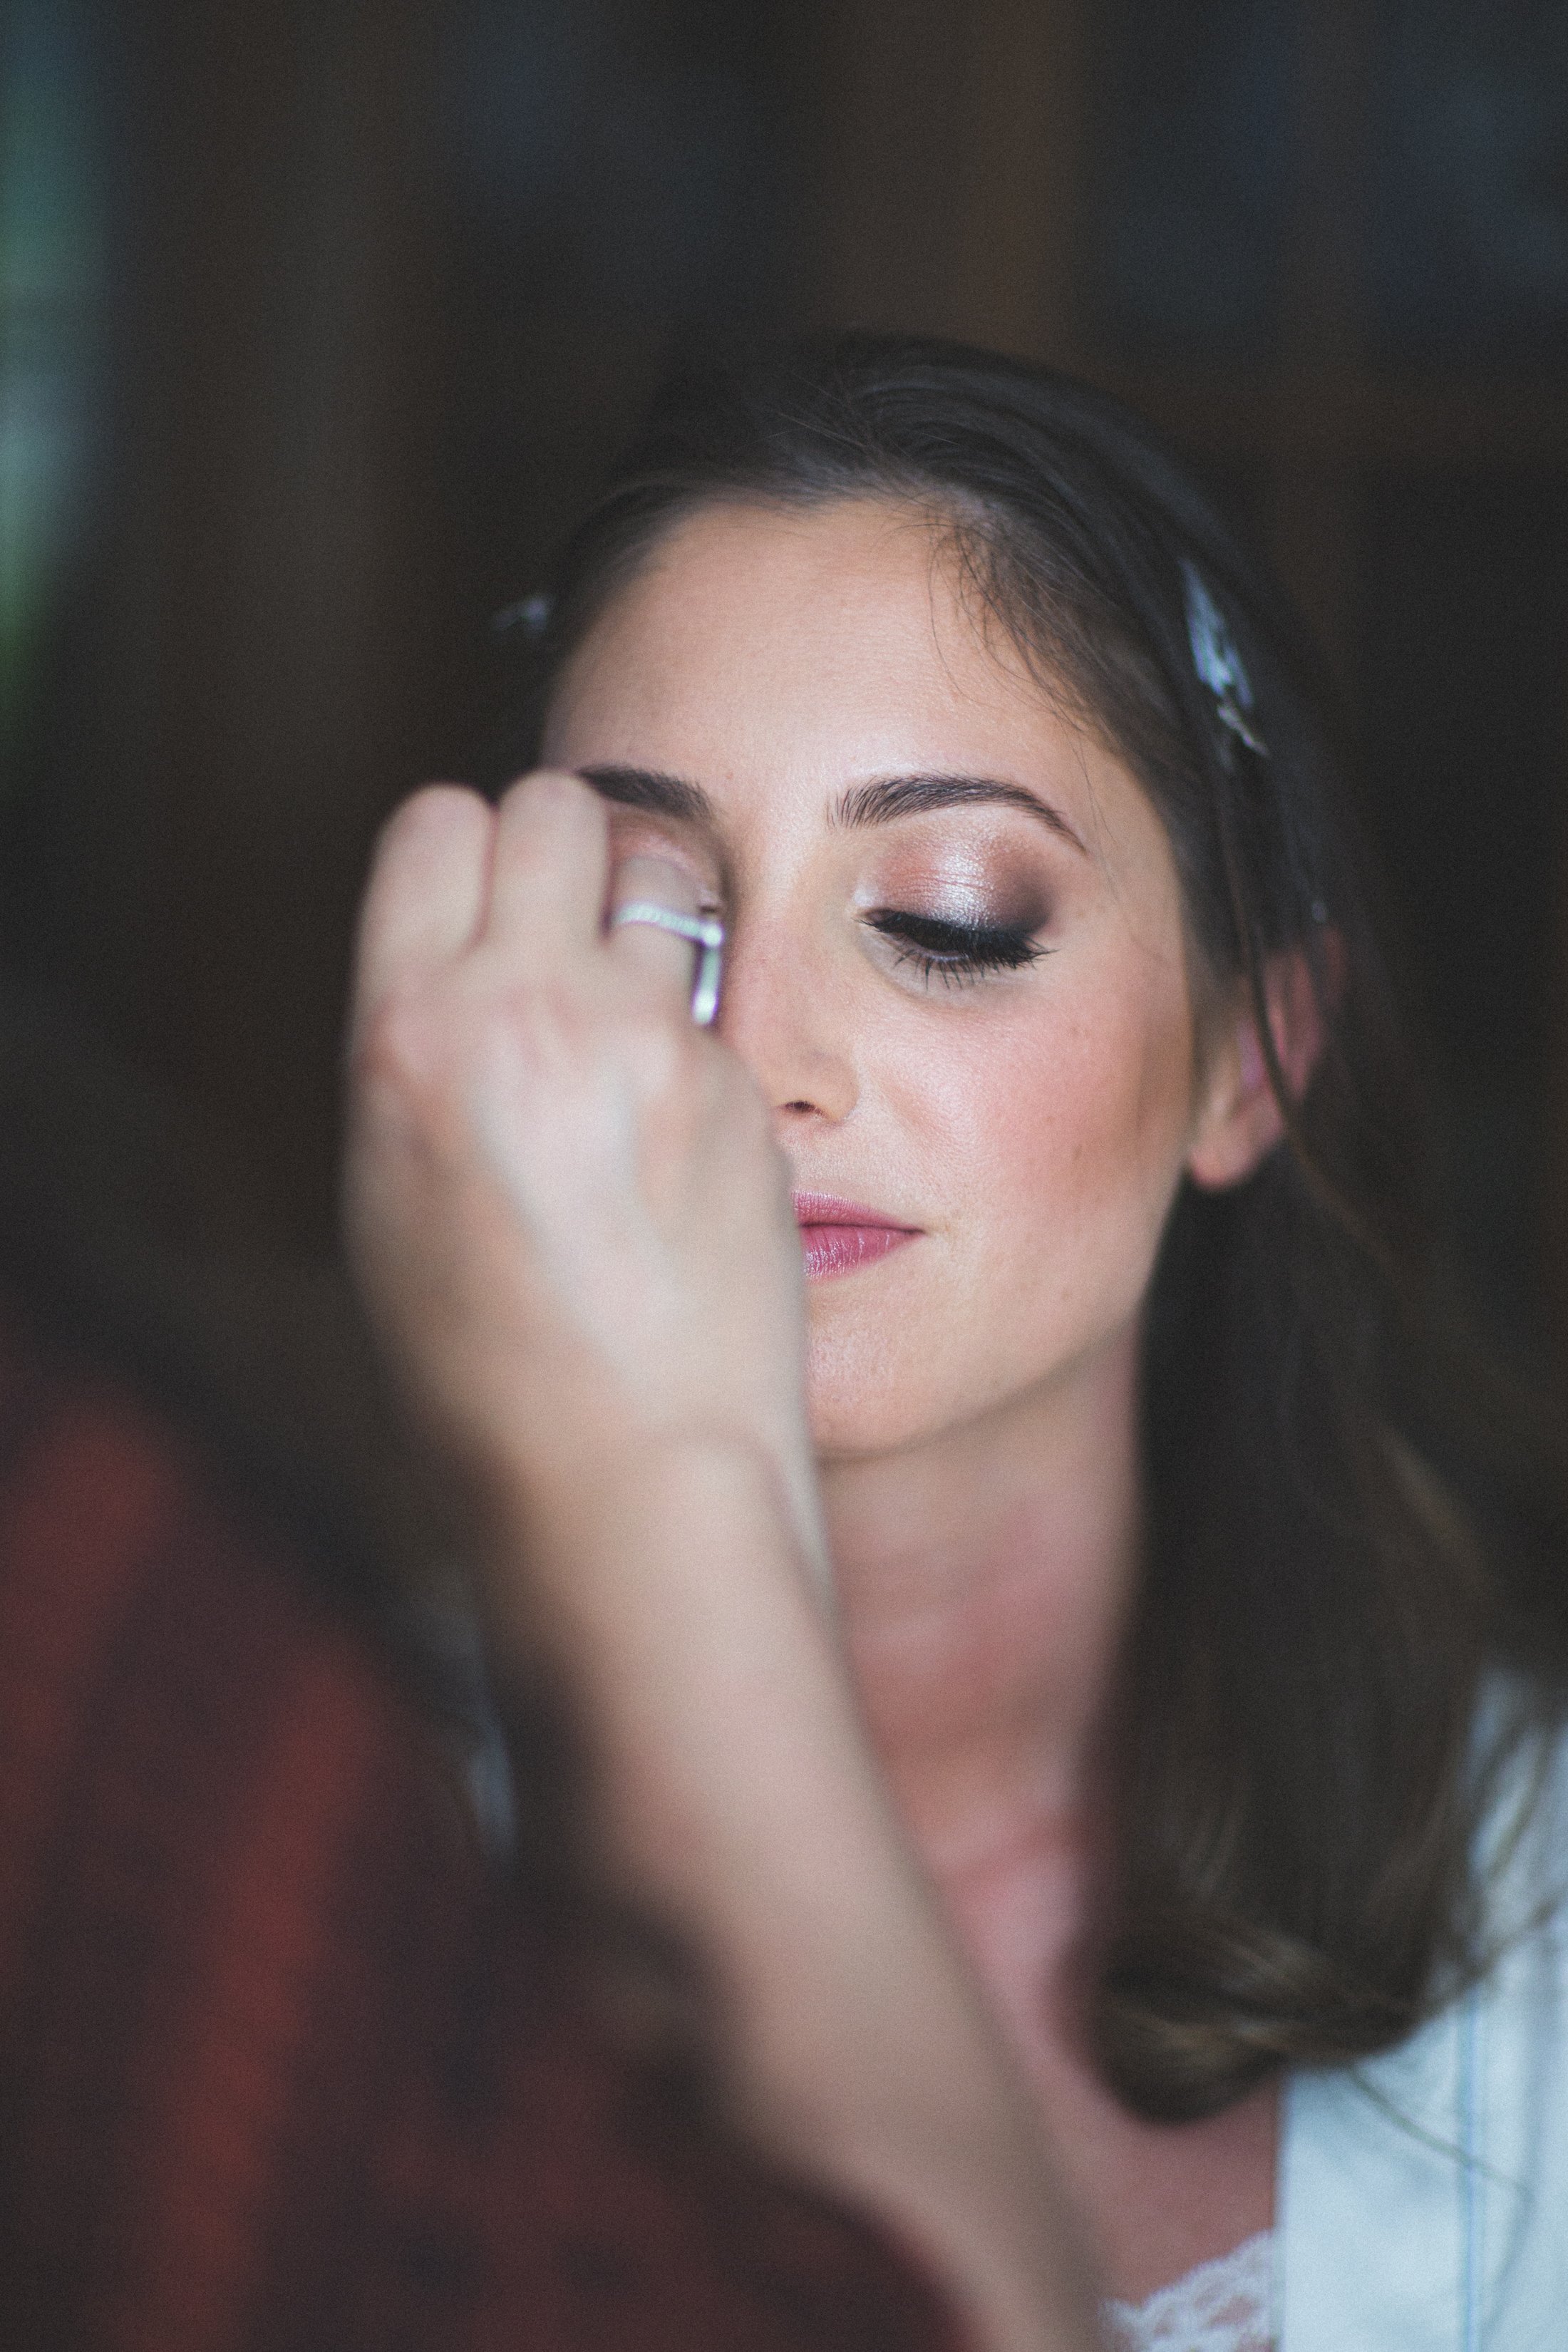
1423, 2197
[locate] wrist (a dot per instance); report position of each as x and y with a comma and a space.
602, 1481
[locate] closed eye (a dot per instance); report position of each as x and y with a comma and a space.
955, 951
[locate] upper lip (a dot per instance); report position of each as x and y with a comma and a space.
823, 1209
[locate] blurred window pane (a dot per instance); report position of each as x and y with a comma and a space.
1465, 615
1468, 256
48, 282
1466, 619
628, 158
614, 172
1189, 175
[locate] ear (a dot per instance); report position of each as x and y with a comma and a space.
1238, 1120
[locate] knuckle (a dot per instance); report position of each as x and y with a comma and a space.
546, 1027
397, 1048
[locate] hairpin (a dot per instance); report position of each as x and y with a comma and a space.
530, 614
1217, 662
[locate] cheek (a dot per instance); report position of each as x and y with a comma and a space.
1063, 1138
1044, 1149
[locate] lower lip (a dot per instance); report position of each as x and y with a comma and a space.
839, 1249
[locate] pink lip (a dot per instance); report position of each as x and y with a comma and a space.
836, 1236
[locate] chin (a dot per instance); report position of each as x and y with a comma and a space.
859, 1437
861, 1403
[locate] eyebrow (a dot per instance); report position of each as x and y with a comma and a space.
895, 796
880, 803
658, 794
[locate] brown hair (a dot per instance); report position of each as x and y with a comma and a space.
1334, 1565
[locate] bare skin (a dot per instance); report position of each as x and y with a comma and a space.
839, 1578
973, 1396
571, 1224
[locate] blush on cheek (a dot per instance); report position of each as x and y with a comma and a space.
1100, 1147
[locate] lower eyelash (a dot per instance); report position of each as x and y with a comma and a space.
955, 950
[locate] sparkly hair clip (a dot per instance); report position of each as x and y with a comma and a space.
1217, 662
530, 614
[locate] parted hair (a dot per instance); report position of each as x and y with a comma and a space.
1351, 1545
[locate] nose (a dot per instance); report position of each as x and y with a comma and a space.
785, 1010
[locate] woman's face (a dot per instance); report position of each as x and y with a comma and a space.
955, 961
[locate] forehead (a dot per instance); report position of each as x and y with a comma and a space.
853, 606
806, 648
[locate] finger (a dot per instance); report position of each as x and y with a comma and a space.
426, 887
661, 962
547, 872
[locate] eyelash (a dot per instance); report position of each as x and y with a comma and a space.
957, 951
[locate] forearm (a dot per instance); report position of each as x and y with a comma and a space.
739, 1800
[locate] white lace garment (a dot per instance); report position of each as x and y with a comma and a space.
1222, 2307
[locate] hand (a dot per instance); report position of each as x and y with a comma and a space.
571, 1222
564, 1200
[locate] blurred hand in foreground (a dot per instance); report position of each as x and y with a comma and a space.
564, 1200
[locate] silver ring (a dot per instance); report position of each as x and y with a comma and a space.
705, 933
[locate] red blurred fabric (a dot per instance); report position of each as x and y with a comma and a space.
282, 2063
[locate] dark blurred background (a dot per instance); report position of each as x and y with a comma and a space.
319, 321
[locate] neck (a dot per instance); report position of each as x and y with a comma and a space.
985, 1578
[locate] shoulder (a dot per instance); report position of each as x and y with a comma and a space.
1519, 1857
215, 1820
127, 1570
278, 2052
1421, 2193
